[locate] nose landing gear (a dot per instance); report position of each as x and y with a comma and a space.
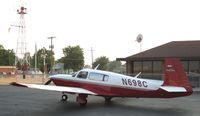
64, 97
107, 99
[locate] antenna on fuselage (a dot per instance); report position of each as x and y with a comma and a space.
138, 75
97, 67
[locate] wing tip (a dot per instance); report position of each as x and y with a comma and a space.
17, 84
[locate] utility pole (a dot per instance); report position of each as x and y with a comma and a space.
35, 58
92, 56
44, 55
51, 47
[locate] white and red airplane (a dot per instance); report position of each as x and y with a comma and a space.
108, 85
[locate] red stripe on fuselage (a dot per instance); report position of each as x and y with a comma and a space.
106, 90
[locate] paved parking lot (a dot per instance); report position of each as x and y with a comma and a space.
30, 102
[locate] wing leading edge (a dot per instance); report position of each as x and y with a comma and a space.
55, 88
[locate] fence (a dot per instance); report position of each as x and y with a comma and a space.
36, 79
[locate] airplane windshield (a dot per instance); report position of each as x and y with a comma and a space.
74, 74
82, 74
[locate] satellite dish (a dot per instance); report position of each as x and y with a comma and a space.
139, 38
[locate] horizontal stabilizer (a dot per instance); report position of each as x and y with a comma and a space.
55, 88
173, 89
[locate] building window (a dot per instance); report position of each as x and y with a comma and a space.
147, 67
157, 67
185, 65
194, 66
137, 66
129, 67
132, 68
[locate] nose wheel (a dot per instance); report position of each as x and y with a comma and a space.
64, 97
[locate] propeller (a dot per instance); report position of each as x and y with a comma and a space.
48, 82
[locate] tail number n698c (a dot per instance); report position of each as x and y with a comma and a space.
133, 82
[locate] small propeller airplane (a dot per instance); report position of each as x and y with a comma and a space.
108, 84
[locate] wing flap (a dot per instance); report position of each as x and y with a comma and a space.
55, 88
173, 89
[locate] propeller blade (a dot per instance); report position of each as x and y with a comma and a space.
48, 82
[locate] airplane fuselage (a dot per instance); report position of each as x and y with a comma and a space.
115, 85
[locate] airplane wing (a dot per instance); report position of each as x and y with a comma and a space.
56, 88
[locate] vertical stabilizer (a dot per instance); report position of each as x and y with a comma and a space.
175, 74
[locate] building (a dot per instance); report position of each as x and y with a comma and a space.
7, 69
150, 62
58, 68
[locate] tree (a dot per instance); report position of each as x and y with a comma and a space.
73, 58
116, 66
7, 57
102, 61
113, 65
1, 47
40, 59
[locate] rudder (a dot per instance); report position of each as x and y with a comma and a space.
175, 74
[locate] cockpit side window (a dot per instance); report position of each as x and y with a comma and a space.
98, 77
105, 78
82, 74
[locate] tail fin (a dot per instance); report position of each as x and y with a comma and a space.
175, 74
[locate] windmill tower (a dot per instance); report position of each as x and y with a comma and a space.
139, 40
22, 56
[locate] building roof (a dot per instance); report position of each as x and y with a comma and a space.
186, 50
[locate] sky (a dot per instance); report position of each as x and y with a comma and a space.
110, 27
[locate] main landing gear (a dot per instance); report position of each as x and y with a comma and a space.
82, 99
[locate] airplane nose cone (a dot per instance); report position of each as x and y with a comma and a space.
54, 76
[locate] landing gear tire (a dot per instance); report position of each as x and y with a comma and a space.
83, 104
107, 99
64, 97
